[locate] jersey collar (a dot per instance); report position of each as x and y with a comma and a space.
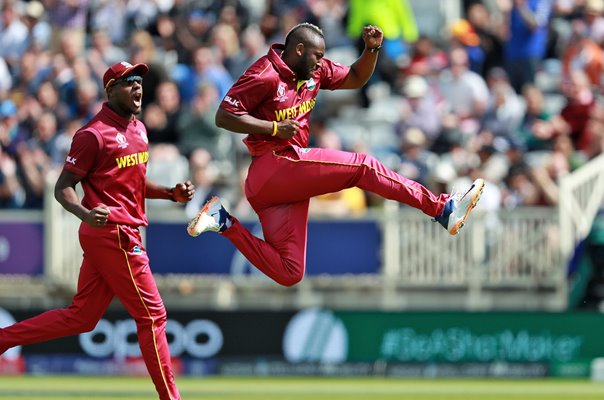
274, 56
118, 119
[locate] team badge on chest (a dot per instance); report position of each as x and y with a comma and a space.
281, 96
144, 136
122, 143
311, 84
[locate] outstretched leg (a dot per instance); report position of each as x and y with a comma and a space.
296, 174
88, 306
279, 186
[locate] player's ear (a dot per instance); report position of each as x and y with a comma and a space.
300, 49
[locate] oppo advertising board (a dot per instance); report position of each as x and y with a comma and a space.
325, 342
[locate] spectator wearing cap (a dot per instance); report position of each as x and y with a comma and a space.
419, 109
39, 30
416, 161
593, 17
463, 34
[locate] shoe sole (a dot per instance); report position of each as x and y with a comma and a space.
473, 202
192, 227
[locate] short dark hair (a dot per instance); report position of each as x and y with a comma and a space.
303, 33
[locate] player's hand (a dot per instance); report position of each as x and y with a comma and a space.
372, 36
286, 129
183, 192
97, 216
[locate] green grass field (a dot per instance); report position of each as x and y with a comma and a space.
97, 388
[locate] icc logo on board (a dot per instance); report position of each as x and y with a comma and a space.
315, 335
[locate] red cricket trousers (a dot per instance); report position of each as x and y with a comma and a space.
279, 186
115, 264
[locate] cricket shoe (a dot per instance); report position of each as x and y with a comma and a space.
459, 206
211, 218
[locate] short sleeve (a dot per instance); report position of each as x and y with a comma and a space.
249, 91
83, 153
333, 74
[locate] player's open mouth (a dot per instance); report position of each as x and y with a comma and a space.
137, 99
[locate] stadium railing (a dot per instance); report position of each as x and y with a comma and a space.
581, 197
510, 259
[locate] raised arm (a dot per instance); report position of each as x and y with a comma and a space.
362, 69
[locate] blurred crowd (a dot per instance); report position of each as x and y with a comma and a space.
511, 91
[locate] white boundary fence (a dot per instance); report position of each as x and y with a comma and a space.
581, 197
509, 260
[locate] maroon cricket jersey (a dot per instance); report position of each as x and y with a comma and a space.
111, 154
269, 90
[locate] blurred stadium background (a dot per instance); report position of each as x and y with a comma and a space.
518, 294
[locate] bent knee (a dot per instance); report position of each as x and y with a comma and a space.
290, 278
290, 281
88, 326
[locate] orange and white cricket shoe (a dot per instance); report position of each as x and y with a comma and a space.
458, 207
212, 217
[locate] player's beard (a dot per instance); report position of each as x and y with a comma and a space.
304, 70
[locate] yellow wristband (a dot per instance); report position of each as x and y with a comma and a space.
274, 128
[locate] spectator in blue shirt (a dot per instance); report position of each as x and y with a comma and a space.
527, 39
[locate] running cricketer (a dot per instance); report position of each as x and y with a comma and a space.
108, 157
272, 102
